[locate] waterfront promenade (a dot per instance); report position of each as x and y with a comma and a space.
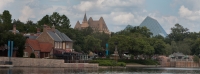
49, 63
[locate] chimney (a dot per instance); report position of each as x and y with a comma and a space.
32, 34
44, 28
53, 28
14, 29
38, 30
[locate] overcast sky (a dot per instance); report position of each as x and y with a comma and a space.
116, 13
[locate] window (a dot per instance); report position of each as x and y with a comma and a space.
25, 54
67, 45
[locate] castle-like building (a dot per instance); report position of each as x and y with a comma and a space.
96, 25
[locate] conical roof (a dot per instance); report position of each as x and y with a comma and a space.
85, 17
153, 26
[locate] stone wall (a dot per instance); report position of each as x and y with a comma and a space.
37, 62
184, 64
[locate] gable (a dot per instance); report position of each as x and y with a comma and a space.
44, 37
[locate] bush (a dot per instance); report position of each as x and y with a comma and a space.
140, 61
108, 63
32, 55
196, 58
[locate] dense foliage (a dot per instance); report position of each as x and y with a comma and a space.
134, 40
32, 55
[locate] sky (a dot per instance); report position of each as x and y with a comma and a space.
116, 13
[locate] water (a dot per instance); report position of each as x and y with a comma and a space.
26, 70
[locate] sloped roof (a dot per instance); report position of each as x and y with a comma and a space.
66, 37
62, 36
77, 24
46, 47
85, 17
17, 31
54, 36
42, 47
153, 26
90, 20
33, 43
32, 37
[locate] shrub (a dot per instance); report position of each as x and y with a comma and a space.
108, 63
32, 55
196, 58
140, 61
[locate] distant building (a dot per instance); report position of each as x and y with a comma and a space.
153, 26
178, 60
96, 25
14, 30
48, 43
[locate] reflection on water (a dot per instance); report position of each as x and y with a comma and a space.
25, 70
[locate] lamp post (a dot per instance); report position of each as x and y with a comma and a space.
116, 52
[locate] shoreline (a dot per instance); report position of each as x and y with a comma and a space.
132, 65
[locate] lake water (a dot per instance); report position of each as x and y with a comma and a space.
25, 70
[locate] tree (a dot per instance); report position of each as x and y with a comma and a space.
32, 55
103, 37
178, 33
59, 21
168, 50
158, 45
18, 40
196, 47
44, 20
123, 44
6, 19
91, 44
142, 30
196, 59
87, 31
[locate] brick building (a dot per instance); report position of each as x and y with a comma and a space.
48, 43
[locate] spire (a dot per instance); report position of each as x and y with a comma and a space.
85, 18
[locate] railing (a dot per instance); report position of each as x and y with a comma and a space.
181, 60
2, 62
76, 61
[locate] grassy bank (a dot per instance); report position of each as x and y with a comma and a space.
108, 62
122, 62
140, 61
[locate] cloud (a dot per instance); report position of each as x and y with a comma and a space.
4, 3
26, 13
84, 6
188, 14
122, 17
102, 5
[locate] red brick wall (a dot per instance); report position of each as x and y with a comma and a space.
28, 50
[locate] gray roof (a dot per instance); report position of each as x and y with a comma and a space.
31, 37
17, 31
66, 38
153, 26
54, 36
58, 36
177, 54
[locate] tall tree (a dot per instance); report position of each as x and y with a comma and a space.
92, 44
178, 33
44, 20
6, 19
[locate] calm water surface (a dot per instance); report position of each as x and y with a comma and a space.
25, 70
